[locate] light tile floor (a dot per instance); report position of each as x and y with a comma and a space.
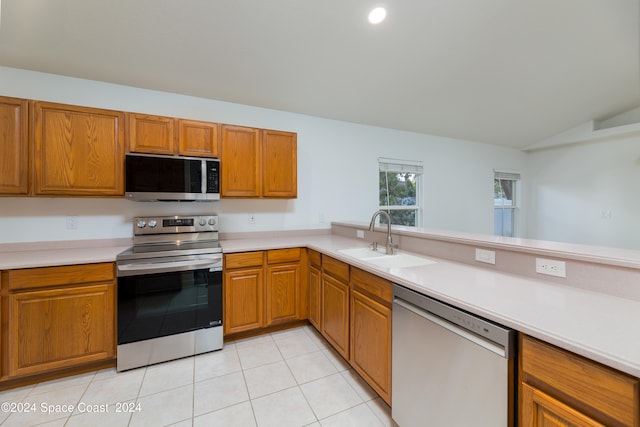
288, 378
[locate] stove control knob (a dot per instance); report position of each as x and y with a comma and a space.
141, 223
212, 221
153, 223
202, 222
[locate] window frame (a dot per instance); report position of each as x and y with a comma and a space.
398, 166
507, 175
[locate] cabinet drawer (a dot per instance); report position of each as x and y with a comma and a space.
63, 275
245, 259
283, 255
584, 384
314, 258
335, 268
371, 285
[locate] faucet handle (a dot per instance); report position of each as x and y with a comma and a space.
374, 246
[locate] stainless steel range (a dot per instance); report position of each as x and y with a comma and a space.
169, 290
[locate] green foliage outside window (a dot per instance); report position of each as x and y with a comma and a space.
398, 189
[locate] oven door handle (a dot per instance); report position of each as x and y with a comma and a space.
136, 269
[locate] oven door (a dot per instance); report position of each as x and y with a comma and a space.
157, 297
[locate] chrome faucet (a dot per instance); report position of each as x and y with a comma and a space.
390, 245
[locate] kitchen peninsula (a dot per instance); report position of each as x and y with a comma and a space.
593, 315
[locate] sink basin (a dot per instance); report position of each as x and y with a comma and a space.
399, 260
363, 253
381, 259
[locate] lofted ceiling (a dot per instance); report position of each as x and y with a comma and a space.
497, 71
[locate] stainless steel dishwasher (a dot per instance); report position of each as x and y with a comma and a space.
450, 368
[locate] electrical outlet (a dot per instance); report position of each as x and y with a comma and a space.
252, 218
485, 256
73, 222
360, 234
551, 267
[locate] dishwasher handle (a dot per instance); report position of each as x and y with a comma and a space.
489, 345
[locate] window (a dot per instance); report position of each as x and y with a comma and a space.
506, 186
400, 185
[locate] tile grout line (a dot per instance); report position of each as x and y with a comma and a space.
244, 379
317, 420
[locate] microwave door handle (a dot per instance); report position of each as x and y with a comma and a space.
203, 174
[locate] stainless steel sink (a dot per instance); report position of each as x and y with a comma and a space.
381, 259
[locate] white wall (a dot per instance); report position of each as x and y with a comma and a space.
337, 169
586, 193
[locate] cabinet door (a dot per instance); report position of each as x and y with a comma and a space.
335, 314
77, 151
240, 159
279, 164
59, 328
601, 393
243, 304
370, 346
14, 163
282, 295
199, 139
315, 279
151, 134
540, 410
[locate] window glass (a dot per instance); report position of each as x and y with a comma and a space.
505, 210
399, 192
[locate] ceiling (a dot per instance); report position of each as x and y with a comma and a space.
497, 71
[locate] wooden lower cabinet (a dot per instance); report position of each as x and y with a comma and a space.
261, 289
370, 330
559, 388
335, 304
542, 410
58, 318
335, 314
315, 309
282, 293
59, 328
243, 285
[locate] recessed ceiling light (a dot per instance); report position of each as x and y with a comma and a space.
377, 15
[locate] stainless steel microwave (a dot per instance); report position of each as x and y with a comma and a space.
169, 178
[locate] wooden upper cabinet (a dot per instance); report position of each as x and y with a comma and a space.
199, 139
240, 162
258, 163
279, 164
151, 134
169, 136
14, 160
77, 151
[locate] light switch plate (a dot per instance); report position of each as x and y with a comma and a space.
485, 256
360, 234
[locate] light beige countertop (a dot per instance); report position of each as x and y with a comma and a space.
48, 254
598, 326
